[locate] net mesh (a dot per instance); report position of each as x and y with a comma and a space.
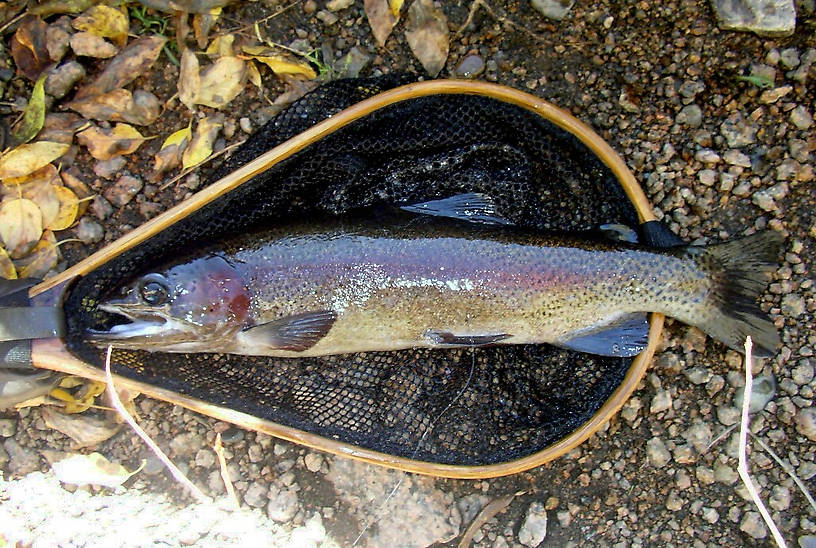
457, 406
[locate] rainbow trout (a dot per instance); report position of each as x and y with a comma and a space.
352, 285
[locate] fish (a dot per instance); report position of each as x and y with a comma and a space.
445, 273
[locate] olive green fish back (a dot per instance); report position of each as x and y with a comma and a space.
460, 406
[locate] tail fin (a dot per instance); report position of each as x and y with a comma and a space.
741, 270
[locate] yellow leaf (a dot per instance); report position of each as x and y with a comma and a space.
29, 158
20, 226
42, 258
7, 269
68, 209
203, 23
104, 21
93, 469
46, 173
281, 66
170, 154
201, 146
254, 75
221, 46
42, 193
34, 115
395, 6
177, 137
221, 82
104, 144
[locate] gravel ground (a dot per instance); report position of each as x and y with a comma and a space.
717, 157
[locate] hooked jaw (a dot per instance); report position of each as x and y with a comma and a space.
145, 323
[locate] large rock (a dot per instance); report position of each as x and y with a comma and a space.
764, 17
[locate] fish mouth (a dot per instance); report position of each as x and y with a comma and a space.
142, 323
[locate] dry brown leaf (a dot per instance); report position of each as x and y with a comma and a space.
104, 21
93, 469
133, 61
381, 18
104, 144
189, 82
7, 269
84, 430
61, 6
28, 47
86, 44
221, 82
171, 151
120, 105
188, 6
201, 145
254, 75
20, 226
59, 127
42, 193
221, 46
202, 25
29, 158
428, 36
39, 261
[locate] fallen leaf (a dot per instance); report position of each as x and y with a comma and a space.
39, 261
201, 145
34, 115
395, 6
80, 190
120, 105
90, 45
104, 21
221, 82
20, 226
42, 193
28, 158
60, 127
221, 46
202, 25
7, 269
254, 75
92, 469
28, 47
188, 6
46, 174
428, 36
68, 209
381, 18
130, 63
169, 156
77, 393
189, 82
279, 64
104, 144
61, 6
83, 429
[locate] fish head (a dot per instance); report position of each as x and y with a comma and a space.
190, 306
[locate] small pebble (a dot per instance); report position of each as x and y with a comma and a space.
89, 231
661, 402
801, 118
327, 17
313, 462
753, 525
246, 125
61, 79
762, 392
123, 190
470, 67
337, 5
690, 115
533, 530
8, 427
806, 422
697, 375
233, 434
657, 452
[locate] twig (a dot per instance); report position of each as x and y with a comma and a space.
744, 473
11, 21
117, 404
787, 468
490, 510
222, 464
504, 20
204, 161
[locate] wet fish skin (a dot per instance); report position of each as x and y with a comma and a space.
349, 285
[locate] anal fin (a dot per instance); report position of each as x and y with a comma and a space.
624, 337
446, 338
474, 207
295, 333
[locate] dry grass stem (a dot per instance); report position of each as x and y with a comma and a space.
487, 513
744, 473
787, 468
209, 158
174, 471
222, 464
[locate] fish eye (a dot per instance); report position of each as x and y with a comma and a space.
154, 291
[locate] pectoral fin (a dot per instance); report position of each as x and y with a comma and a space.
626, 336
446, 338
472, 206
296, 333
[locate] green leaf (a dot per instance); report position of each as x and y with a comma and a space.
759, 81
34, 115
